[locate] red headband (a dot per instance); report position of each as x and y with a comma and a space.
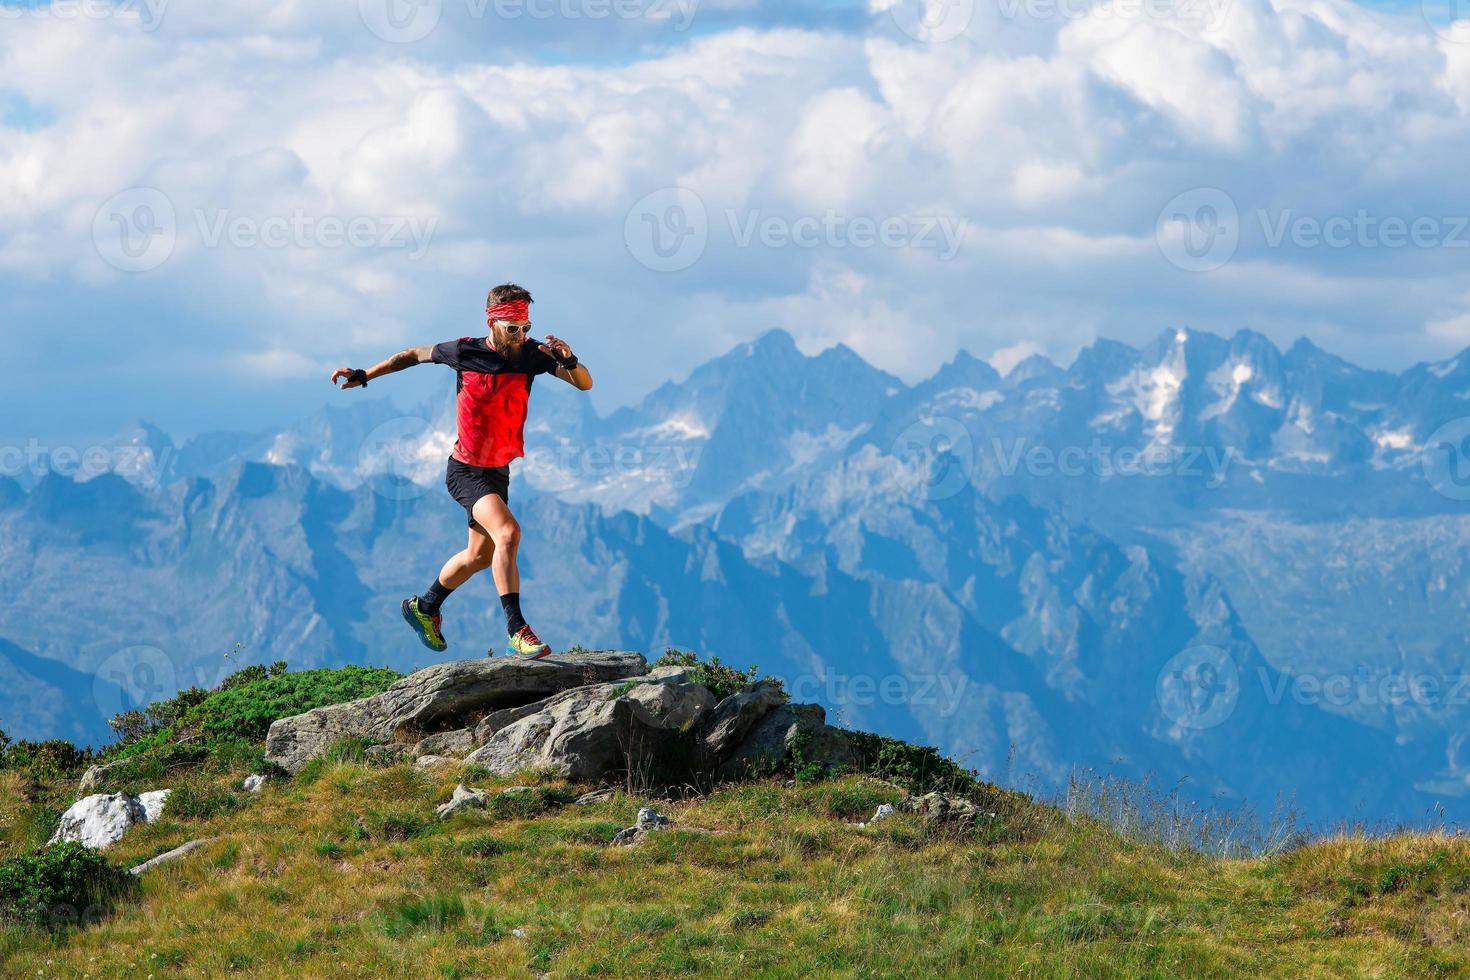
517, 309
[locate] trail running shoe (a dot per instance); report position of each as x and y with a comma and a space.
427, 627
527, 645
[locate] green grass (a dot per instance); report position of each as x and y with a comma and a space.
349, 875
344, 871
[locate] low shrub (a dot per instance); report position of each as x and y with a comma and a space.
60, 886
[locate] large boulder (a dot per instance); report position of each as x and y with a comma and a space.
798, 729
442, 698
737, 715
102, 820
644, 733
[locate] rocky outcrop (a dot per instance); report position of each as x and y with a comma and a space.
798, 730
738, 714
597, 717
102, 820
945, 809
441, 699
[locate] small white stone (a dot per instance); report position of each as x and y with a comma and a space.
254, 784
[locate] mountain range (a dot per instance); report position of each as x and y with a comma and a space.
1233, 568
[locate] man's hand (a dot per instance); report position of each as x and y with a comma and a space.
351, 378
358, 378
557, 349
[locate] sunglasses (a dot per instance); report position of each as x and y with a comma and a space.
515, 327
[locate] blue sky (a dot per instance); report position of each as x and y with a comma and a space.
207, 207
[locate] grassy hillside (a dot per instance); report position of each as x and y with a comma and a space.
344, 871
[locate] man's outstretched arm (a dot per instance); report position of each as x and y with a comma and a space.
357, 378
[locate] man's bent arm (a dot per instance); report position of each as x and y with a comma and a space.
578, 377
403, 359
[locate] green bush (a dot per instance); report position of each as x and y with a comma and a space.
244, 705
53, 759
60, 886
721, 679
917, 768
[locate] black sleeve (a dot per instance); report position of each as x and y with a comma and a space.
540, 361
448, 353
466, 355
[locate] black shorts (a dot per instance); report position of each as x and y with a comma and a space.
467, 484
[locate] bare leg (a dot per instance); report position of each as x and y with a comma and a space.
492, 514
476, 557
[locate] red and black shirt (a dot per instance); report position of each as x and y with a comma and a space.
492, 394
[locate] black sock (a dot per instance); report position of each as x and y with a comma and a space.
431, 600
511, 603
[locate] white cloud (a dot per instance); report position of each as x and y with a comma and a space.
1057, 137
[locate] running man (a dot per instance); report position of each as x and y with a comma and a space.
492, 394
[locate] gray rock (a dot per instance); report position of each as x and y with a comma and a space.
254, 784
96, 777
172, 856
434, 762
778, 732
943, 809
464, 799
458, 743
596, 796
676, 703
589, 734
737, 715
441, 698
102, 820
649, 821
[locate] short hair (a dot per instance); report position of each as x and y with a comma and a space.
507, 293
